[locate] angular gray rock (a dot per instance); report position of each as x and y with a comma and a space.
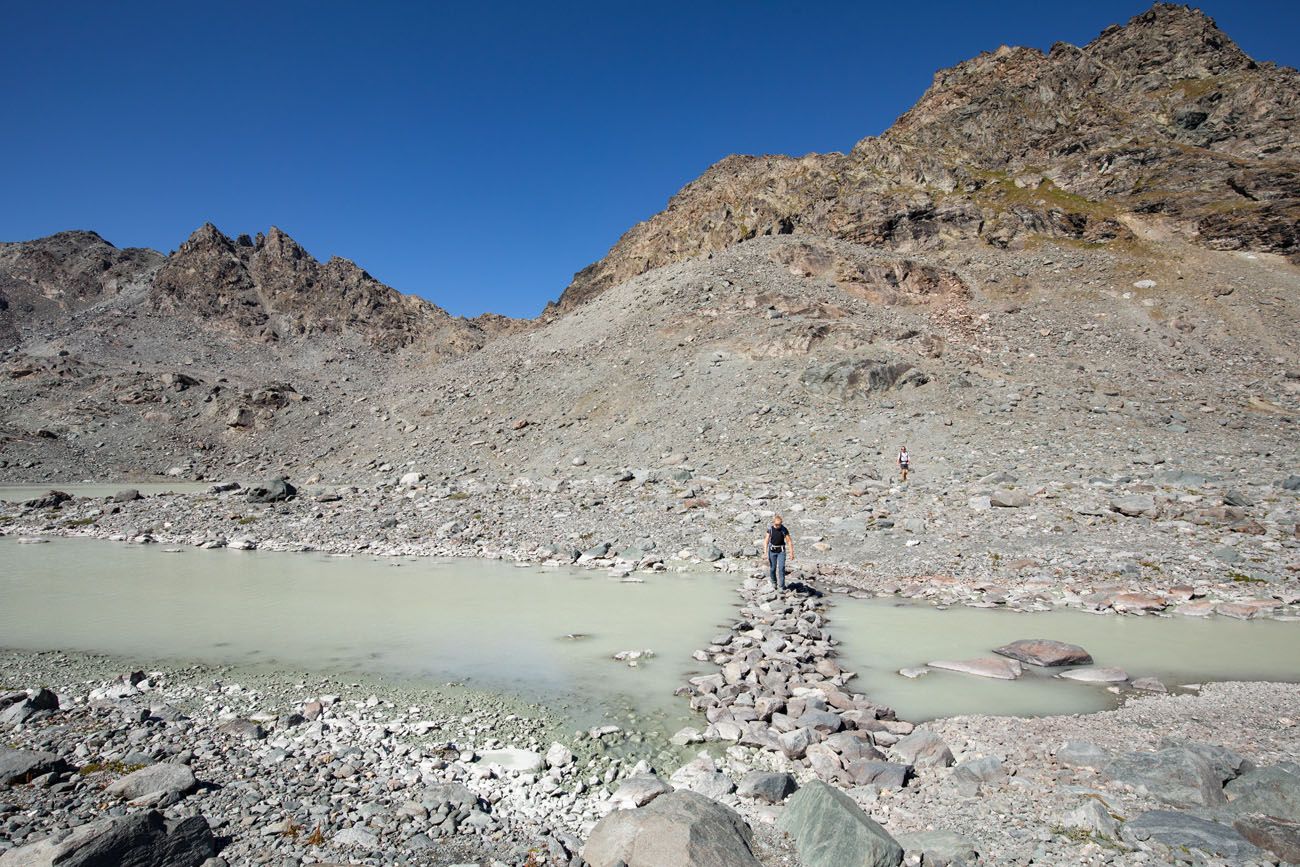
939, 848
830, 830
1181, 831
135, 840
881, 775
681, 828
1134, 505
1006, 498
1093, 817
21, 766
638, 791
770, 788
165, 777
271, 491
1045, 652
1082, 754
1272, 791
923, 749
1176, 776
1228, 764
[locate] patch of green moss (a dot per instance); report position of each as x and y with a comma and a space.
1243, 578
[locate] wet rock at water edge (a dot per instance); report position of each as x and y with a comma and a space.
50, 500
984, 666
1045, 652
271, 491
1096, 675
681, 828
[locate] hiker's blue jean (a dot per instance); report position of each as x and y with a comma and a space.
776, 567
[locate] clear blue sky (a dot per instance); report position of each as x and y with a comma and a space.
477, 154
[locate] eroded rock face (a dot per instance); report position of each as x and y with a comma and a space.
1161, 116
274, 289
61, 274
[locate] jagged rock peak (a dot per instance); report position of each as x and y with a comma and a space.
1174, 39
206, 237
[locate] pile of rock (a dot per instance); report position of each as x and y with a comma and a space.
781, 689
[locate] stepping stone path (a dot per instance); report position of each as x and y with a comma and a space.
779, 687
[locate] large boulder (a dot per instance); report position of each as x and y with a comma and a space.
271, 491
166, 779
26, 707
1183, 832
135, 840
682, 828
1272, 791
1045, 652
21, 766
768, 787
50, 500
923, 749
830, 830
1175, 775
1228, 764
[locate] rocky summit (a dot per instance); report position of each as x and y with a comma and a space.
1068, 281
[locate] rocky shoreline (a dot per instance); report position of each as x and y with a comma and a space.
290, 769
414, 517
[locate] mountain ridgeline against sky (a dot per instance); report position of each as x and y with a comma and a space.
1165, 117
994, 235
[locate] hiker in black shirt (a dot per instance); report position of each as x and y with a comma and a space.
779, 545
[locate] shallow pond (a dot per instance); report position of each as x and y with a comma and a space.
881, 636
543, 634
24, 492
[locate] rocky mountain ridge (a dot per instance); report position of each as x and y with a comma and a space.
266, 288
1165, 117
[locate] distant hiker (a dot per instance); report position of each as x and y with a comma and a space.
904, 461
779, 545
